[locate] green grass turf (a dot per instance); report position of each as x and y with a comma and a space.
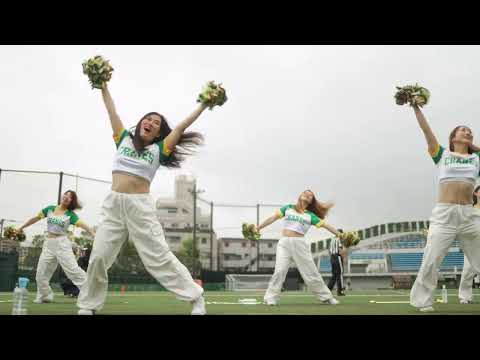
291, 303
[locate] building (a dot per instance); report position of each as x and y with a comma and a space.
176, 217
238, 254
389, 256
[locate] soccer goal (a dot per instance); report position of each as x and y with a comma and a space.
239, 282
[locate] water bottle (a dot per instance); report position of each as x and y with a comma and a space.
444, 295
20, 297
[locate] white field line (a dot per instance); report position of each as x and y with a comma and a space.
240, 295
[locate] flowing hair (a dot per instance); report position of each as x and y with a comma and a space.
317, 207
475, 198
453, 134
186, 145
75, 203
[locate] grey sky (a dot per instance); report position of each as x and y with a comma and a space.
317, 117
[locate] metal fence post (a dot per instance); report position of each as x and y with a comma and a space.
258, 244
60, 187
211, 235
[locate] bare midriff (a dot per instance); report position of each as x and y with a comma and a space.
455, 192
291, 233
129, 184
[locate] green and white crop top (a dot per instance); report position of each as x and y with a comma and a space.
298, 222
144, 165
456, 167
58, 224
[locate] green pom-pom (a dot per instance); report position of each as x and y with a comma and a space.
98, 70
212, 95
412, 94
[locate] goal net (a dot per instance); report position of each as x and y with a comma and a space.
236, 282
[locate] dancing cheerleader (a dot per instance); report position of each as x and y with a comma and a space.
57, 247
293, 248
129, 209
465, 290
453, 216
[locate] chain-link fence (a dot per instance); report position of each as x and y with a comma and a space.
24, 193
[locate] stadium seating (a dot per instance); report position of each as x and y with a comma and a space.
412, 261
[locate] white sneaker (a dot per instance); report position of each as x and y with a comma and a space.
466, 302
48, 299
270, 302
332, 301
199, 306
427, 309
86, 312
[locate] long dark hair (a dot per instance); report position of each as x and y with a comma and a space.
188, 141
453, 134
475, 198
75, 203
317, 207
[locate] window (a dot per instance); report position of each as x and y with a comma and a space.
421, 225
253, 244
173, 225
414, 226
368, 233
398, 227
313, 247
173, 239
382, 229
428, 224
204, 240
360, 234
270, 245
184, 211
390, 228
246, 256
320, 245
375, 230
328, 242
172, 210
244, 244
227, 244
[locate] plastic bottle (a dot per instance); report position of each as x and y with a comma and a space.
444, 295
20, 297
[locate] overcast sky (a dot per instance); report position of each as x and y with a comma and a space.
297, 117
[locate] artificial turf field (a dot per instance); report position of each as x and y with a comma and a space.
227, 303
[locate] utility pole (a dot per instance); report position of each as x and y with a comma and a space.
195, 192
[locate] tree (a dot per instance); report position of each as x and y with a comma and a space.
185, 255
38, 240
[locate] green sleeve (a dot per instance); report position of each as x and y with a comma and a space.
283, 209
73, 217
165, 151
45, 211
437, 154
119, 138
315, 220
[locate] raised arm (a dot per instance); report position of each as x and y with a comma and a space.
29, 222
429, 135
330, 228
269, 221
85, 227
174, 137
117, 125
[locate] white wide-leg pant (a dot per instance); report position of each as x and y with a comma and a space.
57, 250
465, 290
448, 221
296, 250
133, 215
